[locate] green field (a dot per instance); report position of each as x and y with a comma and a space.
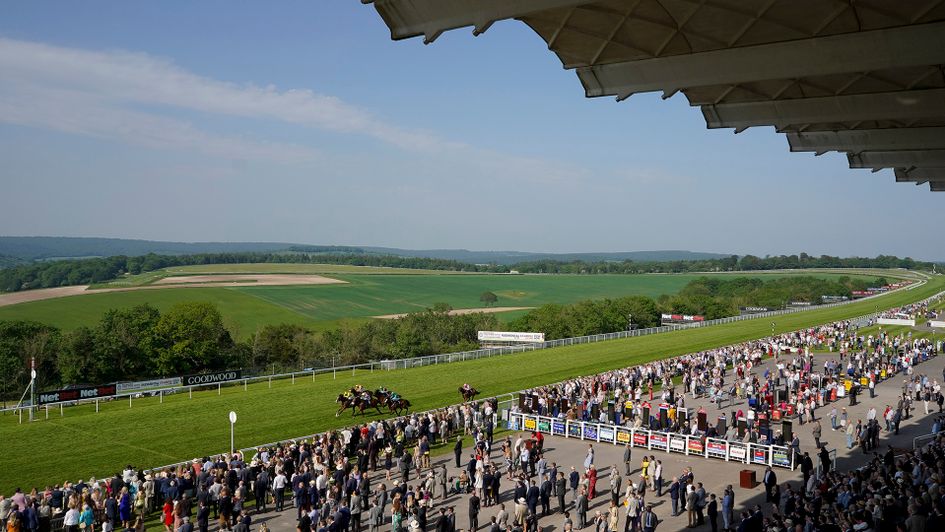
246, 309
85, 443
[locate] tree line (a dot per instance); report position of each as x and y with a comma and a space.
50, 274
141, 343
727, 264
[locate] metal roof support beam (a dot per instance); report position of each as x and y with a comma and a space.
865, 51
859, 140
901, 105
430, 18
897, 159
920, 175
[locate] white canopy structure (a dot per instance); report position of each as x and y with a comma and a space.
864, 77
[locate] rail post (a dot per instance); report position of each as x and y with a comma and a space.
161, 393
244, 384
293, 378
61, 412
270, 381
219, 391
129, 401
190, 393
20, 411
313, 375
47, 411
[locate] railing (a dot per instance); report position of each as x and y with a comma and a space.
429, 360
730, 451
920, 442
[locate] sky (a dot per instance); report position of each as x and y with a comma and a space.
304, 122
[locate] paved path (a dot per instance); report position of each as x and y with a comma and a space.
714, 474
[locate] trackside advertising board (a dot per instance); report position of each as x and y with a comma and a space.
75, 394
670, 319
146, 385
690, 445
504, 336
212, 378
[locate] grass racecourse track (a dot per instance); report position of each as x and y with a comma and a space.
84, 443
247, 308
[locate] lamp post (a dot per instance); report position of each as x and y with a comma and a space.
232, 432
32, 386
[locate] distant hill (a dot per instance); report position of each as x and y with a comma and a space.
512, 257
30, 248
55, 247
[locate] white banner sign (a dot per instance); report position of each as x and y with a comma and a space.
936, 323
145, 385
500, 336
895, 321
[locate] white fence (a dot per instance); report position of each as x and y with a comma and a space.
747, 453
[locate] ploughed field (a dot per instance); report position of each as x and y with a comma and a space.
361, 293
84, 443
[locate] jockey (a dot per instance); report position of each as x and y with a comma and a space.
383, 390
394, 396
365, 395
466, 387
358, 388
348, 395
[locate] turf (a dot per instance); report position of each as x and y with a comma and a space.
369, 292
148, 434
246, 309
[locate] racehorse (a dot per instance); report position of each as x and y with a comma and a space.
346, 403
395, 406
468, 395
372, 401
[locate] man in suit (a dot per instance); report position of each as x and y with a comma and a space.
203, 516
458, 450
531, 497
494, 527
615, 482
560, 487
650, 521
544, 493
474, 505
375, 516
691, 499
770, 481
700, 504
674, 495
574, 479
356, 510
728, 505
713, 510
185, 525
580, 507
628, 467
260, 489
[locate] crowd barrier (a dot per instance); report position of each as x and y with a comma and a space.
715, 448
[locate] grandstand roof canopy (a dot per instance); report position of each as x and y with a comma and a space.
864, 77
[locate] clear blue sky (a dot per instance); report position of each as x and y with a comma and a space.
302, 121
